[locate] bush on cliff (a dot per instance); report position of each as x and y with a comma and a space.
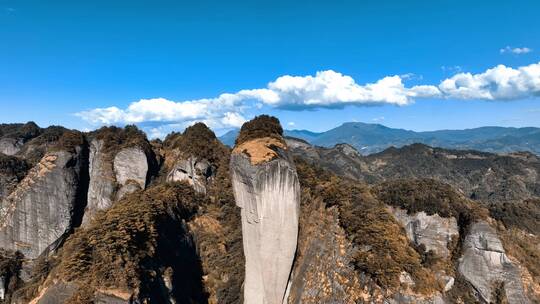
140, 236
199, 141
258, 127
384, 251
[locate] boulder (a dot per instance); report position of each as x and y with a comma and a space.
485, 265
42, 208
267, 190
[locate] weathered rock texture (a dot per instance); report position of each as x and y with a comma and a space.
41, 210
130, 167
102, 184
432, 231
10, 146
485, 265
196, 172
113, 176
268, 193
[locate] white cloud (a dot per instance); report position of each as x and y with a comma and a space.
517, 50
291, 124
498, 83
325, 89
377, 119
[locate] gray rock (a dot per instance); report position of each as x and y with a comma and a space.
432, 231
41, 210
131, 164
126, 173
10, 146
484, 263
269, 197
102, 184
196, 172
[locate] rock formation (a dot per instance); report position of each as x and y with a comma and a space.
114, 175
485, 265
432, 231
41, 210
10, 146
267, 190
192, 170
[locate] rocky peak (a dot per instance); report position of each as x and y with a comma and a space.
267, 190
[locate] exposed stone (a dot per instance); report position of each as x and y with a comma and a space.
131, 164
196, 172
10, 146
126, 173
484, 264
41, 210
268, 193
102, 184
432, 231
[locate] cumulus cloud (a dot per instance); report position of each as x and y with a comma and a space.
516, 50
498, 83
325, 89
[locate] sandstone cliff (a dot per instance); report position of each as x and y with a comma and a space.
267, 190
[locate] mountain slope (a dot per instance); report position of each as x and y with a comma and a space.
373, 138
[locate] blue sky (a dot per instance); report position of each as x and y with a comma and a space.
60, 58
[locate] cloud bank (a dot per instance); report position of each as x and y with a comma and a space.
326, 89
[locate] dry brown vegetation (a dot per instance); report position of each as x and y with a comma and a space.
523, 215
125, 247
13, 166
260, 150
197, 140
430, 196
20, 131
384, 251
258, 127
115, 138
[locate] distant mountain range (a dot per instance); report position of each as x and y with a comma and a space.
373, 138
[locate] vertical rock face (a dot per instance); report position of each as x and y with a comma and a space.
112, 178
42, 207
131, 168
267, 190
485, 265
101, 187
432, 231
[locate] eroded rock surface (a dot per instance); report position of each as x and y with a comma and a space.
10, 146
485, 265
41, 210
196, 172
131, 164
112, 178
102, 185
432, 231
268, 193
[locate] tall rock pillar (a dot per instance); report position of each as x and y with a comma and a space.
267, 190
